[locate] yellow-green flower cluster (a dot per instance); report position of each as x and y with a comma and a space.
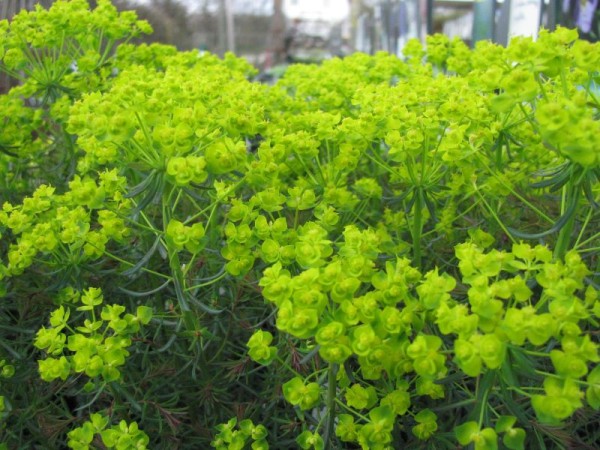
97, 347
235, 435
122, 436
180, 236
355, 312
85, 47
66, 229
156, 118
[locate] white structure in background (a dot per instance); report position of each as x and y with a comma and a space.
519, 18
386, 24
314, 22
332, 11
461, 26
524, 19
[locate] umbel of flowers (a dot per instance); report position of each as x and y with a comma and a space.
375, 251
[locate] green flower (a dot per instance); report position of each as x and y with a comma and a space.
329, 333
562, 398
299, 394
259, 349
378, 431
469, 432
514, 438
125, 436
592, 394
491, 348
346, 428
427, 362
52, 368
307, 440
426, 424
224, 156
336, 352
398, 400
467, 357
434, 289
299, 322
568, 365
364, 339
81, 437
361, 398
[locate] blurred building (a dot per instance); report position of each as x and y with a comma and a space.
388, 24
385, 24
316, 30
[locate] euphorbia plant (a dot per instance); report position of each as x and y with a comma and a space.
312, 263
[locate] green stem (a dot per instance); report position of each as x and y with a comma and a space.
331, 396
417, 228
560, 377
506, 185
287, 366
498, 144
484, 385
483, 407
383, 165
455, 406
591, 249
522, 392
143, 269
492, 211
352, 411
189, 320
565, 234
207, 283
539, 354
565, 84
584, 226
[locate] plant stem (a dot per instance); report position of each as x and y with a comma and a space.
484, 386
189, 320
417, 228
456, 405
564, 235
331, 396
350, 410
492, 211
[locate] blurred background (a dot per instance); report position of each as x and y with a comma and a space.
274, 32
